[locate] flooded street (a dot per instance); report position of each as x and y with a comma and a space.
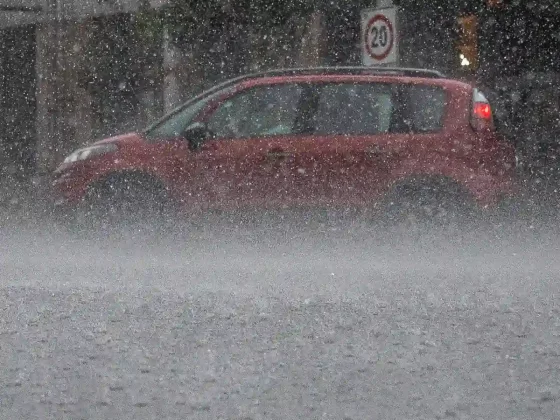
260, 326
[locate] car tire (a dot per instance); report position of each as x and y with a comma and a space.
133, 202
421, 207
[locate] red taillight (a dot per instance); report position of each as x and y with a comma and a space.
483, 111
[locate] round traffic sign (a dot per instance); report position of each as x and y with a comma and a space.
379, 37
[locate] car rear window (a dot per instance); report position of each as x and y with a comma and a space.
425, 106
377, 108
354, 109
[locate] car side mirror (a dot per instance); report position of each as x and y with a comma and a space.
197, 134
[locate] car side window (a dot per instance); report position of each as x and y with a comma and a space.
257, 112
354, 109
175, 124
425, 107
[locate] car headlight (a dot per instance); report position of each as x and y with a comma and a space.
90, 152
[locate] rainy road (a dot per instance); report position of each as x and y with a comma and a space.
324, 326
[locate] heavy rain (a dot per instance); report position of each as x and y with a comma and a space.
266, 209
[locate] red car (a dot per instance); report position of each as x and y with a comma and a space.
337, 138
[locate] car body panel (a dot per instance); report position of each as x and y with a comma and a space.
306, 169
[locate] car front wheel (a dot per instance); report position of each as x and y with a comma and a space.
131, 202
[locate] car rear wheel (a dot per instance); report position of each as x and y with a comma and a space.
428, 207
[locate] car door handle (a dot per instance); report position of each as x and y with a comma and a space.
379, 153
277, 155
375, 152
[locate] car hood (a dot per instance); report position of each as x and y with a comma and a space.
124, 138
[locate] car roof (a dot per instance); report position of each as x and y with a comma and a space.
353, 78
352, 74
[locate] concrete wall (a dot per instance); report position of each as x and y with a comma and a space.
81, 9
63, 120
30, 12
17, 100
38, 11
70, 112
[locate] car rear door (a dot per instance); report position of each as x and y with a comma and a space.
362, 136
353, 131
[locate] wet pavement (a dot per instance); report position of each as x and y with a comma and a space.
253, 325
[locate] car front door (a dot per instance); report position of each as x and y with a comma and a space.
249, 161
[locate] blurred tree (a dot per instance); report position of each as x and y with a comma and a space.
520, 37
227, 37
190, 20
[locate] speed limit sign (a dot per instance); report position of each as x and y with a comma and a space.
379, 36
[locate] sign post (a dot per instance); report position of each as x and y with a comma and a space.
379, 38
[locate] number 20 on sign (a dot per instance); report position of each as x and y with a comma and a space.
379, 37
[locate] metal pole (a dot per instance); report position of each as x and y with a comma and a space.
56, 135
